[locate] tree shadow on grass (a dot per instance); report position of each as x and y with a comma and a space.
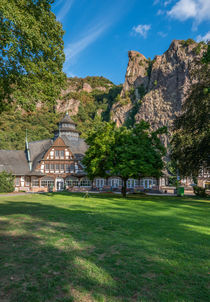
51, 253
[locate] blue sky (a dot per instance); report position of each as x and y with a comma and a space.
99, 33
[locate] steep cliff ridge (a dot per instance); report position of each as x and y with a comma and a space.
165, 82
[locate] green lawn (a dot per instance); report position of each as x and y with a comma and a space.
62, 247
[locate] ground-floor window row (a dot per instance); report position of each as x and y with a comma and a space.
99, 183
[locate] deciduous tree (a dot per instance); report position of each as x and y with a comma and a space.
31, 53
190, 143
123, 152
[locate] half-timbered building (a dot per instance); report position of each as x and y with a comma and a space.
56, 164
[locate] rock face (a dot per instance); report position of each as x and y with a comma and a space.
77, 90
165, 80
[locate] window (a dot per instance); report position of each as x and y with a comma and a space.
207, 185
62, 153
62, 167
99, 182
67, 168
85, 182
35, 183
71, 168
27, 181
72, 182
17, 181
56, 153
47, 167
51, 166
115, 182
47, 183
130, 183
57, 167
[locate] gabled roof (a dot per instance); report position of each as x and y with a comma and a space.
14, 161
78, 147
38, 149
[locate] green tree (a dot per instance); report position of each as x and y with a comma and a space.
122, 152
6, 182
190, 142
31, 53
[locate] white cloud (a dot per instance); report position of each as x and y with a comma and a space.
141, 29
204, 38
94, 30
199, 10
64, 9
78, 46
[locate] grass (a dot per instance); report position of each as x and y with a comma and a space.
62, 247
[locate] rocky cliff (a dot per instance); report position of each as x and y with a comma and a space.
155, 90
76, 90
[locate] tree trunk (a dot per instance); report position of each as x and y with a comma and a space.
124, 187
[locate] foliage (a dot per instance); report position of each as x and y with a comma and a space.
13, 124
43, 122
127, 153
149, 69
6, 182
126, 99
187, 42
95, 82
130, 121
199, 47
31, 54
199, 191
190, 143
96, 103
141, 91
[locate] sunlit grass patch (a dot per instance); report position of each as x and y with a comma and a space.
62, 247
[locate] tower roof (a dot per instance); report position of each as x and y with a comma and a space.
67, 120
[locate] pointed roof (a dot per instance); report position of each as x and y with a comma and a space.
67, 119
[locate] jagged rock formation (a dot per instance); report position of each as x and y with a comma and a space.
165, 82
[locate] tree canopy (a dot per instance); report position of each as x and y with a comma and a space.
31, 53
190, 143
123, 152
6, 182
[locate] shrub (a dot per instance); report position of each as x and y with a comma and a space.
6, 182
199, 191
187, 42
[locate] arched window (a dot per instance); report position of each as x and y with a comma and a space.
72, 181
85, 182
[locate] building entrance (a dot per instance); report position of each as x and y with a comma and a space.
60, 184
